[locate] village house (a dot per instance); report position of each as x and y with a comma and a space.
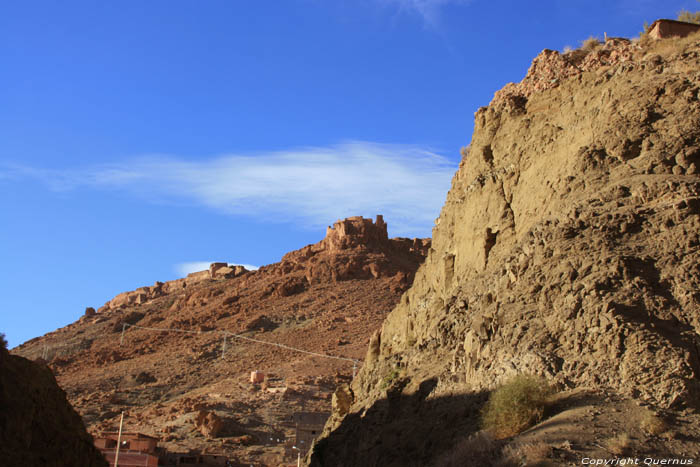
665, 28
136, 449
140, 450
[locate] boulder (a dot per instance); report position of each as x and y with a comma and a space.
209, 423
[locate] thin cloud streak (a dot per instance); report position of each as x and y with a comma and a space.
311, 186
429, 10
195, 266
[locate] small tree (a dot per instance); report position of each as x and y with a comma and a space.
3, 341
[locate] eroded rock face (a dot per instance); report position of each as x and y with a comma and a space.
342, 400
37, 424
550, 68
568, 248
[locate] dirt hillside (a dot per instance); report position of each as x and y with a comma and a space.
190, 386
37, 424
568, 248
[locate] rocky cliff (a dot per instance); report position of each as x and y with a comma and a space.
568, 248
37, 424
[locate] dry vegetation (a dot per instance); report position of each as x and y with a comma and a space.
527, 454
590, 44
587, 46
390, 377
683, 15
688, 17
667, 47
482, 449
478, 449
515, 406
619, 444
651, 423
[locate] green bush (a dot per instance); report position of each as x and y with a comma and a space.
3, 341
515, 406
389, 378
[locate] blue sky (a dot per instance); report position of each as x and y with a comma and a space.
138, 137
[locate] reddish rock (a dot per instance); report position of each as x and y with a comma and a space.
215, 267
208, 423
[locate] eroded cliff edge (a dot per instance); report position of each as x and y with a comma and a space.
568, 248
37, 424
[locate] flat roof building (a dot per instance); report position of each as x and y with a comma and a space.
136, 450
665, 28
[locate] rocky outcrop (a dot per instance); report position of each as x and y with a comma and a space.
354, 248
216, 271
355, 231
357, 248
224, 271
37, 424
550, 68
208, 423
568, 248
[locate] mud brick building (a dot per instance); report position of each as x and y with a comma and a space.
665, 28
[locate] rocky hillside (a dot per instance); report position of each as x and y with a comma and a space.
190, 387
568, 248
37, 424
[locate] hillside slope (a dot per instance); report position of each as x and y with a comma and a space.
37, 424
568, 248
325, 298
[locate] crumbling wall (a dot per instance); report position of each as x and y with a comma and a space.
354, 231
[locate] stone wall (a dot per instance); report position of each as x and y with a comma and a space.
354, 231
665, 28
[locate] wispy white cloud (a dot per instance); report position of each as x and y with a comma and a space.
194, 266
429, 10
310, 186
249, 267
